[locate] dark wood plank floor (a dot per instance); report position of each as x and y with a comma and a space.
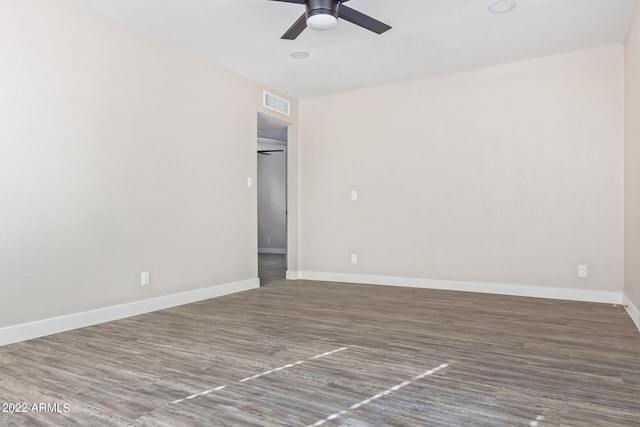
313, 353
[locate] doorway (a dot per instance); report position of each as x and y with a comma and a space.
272, 199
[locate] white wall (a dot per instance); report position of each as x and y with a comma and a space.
632, 165
293, 202
511, 174
119, 155
272, 203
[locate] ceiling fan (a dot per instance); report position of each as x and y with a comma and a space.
324, 14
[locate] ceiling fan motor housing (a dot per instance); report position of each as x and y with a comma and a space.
322, 7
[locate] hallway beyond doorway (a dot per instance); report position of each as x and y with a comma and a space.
271, 269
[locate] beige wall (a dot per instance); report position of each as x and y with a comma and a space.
119, 155
632, 163
293, 201
510, 174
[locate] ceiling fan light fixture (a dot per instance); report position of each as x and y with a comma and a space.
324, 15
502, 6
322, 21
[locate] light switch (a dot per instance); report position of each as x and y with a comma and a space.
250, 182
354, 195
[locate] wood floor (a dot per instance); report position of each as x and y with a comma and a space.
313, 353
271, 269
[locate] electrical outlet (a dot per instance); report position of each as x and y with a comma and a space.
354, 258
583, 271
144, 278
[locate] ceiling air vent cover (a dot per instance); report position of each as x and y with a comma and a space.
275, 103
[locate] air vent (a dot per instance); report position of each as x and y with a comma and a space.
275, 103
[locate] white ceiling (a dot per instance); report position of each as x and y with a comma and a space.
428, 37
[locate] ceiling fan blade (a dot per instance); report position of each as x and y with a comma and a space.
297, 28
362, 20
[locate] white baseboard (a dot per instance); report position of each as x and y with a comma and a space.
585, 295
27, 331
633, 311
292, 275
279, 251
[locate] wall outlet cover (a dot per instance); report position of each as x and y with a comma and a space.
583, 271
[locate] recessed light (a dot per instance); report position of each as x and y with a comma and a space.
501, 6
300, 54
